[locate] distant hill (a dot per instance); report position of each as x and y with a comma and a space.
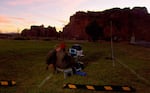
40, 31
126, 22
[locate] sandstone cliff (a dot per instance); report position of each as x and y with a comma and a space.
40, 31
123, 22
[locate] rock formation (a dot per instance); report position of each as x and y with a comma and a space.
40, 31
122, 22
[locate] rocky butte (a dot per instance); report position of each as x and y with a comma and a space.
40, 31
124, 23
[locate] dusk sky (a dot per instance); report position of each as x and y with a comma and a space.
15, 15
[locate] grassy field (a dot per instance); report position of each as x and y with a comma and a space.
24, 62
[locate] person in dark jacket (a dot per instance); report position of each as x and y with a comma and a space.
59, 58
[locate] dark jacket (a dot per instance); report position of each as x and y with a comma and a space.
60, 59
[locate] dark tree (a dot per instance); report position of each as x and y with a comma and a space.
94, 31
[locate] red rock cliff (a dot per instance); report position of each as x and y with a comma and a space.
123, 22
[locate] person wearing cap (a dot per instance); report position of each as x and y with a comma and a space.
59, 58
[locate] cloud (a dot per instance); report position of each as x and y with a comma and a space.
69, 4
18, 18
4, 19
62, 21
22, 20
18, 21
24, 2
52, 2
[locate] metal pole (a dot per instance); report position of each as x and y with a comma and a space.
112, 51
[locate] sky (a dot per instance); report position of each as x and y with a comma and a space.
16, 15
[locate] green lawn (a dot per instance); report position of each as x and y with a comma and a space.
24, 62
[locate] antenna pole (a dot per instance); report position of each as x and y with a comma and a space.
112, 51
